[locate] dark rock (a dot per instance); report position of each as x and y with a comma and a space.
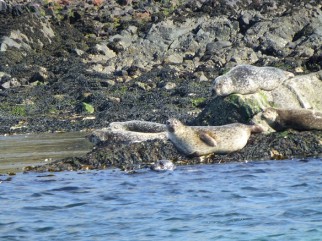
41, 75
124, 2
3, 6
121, 155
17, 10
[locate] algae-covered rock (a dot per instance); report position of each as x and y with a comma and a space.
124, 155
233, 108
132, 156
302, 91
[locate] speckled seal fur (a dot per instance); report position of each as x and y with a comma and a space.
203, 140
162, 165
248, 79
297, 119
129, 131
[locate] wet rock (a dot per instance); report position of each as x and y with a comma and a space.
39, 76
4, 76
3, 6
131, 156
127, 156
201, 76
174, 59
124, 2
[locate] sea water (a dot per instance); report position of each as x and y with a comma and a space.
266, 200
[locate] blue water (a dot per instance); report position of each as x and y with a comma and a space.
269, 200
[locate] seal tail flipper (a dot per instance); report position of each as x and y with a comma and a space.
256, 129
207, 139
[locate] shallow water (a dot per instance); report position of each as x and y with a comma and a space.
18, 151
267, 200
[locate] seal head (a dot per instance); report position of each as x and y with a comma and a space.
173, 124
163, 165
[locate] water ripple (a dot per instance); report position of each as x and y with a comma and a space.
43, 208
250, 201
75, 205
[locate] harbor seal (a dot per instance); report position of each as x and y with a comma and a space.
163, 165
129, 131
248, 79
203, 140
297, 119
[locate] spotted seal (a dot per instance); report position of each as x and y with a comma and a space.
129, 131
297, 119
248, 79
203, 140
163, 165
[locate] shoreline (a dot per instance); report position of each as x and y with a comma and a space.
81, 65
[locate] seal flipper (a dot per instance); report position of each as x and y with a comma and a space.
207, 139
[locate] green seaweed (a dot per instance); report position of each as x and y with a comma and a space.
88, 107
198, 101
247, 106
16, 110
19, 110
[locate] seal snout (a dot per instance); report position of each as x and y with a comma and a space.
171, 124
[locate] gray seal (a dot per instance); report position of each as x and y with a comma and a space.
203, 140
297, 119
248, 79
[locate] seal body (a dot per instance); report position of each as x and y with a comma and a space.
248, 79
163, 165
297, 119
129, 131
203, 140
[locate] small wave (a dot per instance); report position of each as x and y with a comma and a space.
42, 208
44, 229
68, 189
304, 184
75, 205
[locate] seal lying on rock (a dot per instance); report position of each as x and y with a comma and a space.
203, 140
163, 165
248, 79
129, 131
297, 119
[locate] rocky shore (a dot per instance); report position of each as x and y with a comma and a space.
69, 65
